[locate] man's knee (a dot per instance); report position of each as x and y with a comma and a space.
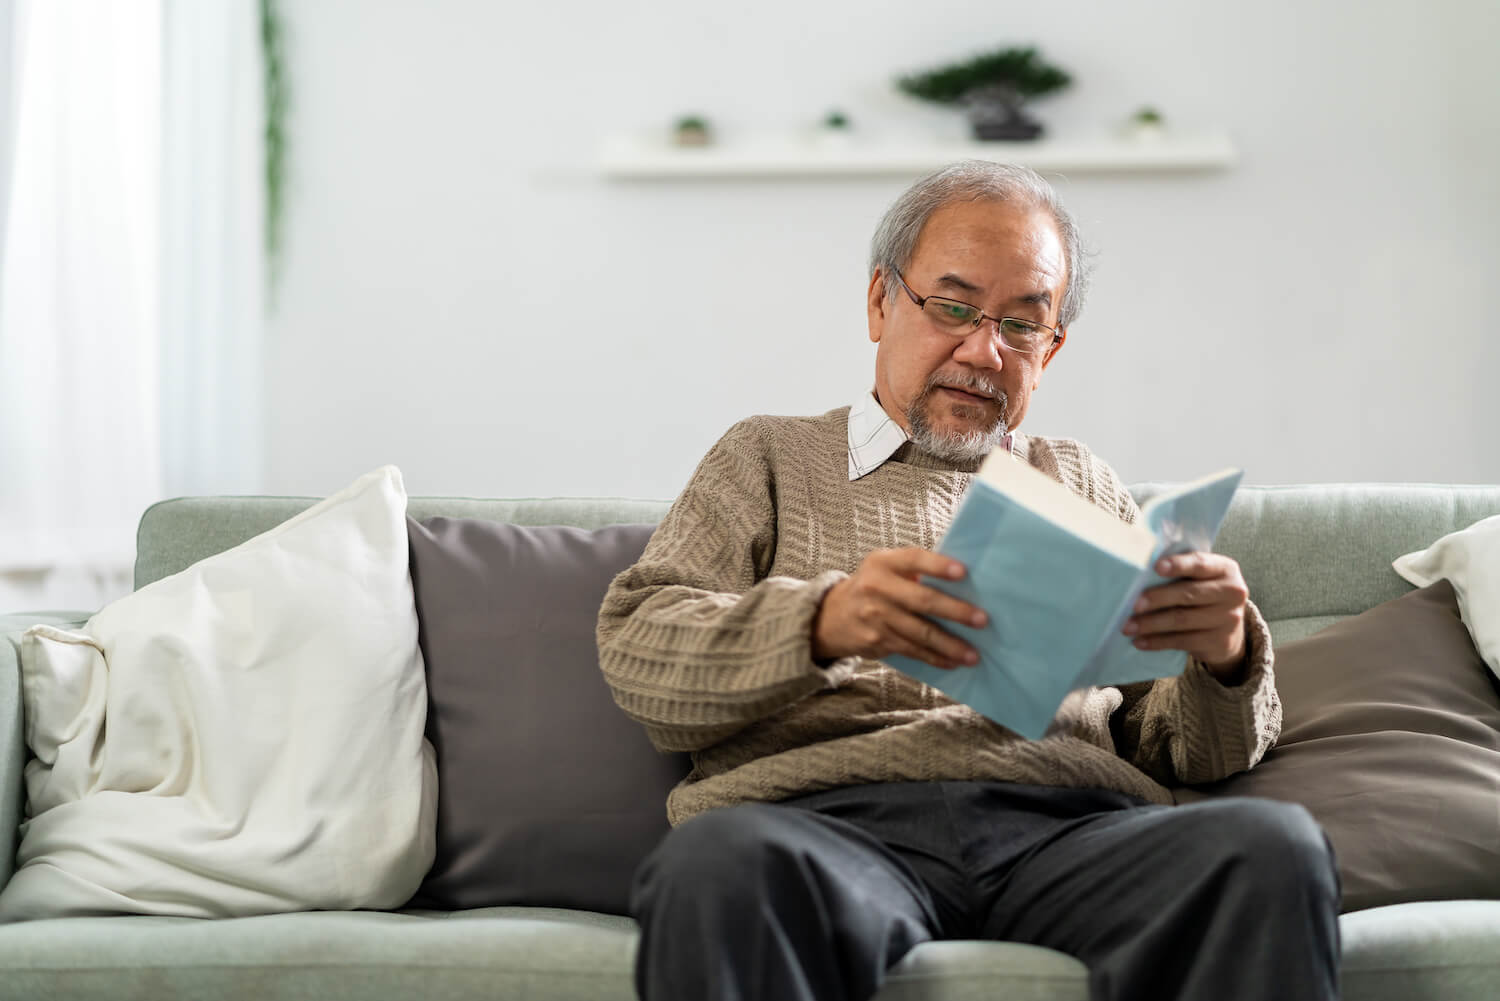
1268, 842
724, 852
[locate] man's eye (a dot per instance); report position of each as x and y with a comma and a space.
955, 311
1020, 334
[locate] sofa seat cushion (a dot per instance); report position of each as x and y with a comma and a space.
329, 955
538, 953
1447, 950
984, 971
1438, 951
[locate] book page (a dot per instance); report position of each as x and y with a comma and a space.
1184, 519
1049, 499
1171, 496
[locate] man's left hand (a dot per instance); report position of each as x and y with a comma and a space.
1203, 614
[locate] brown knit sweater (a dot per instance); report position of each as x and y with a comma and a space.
706, 640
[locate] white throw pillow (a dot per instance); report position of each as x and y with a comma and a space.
1470, 559
243, 737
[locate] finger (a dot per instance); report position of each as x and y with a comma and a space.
912, 562
1209, 647
939, 644
1172, 620
923, 600
1191, 593
897, 643
1197, 565
940, 647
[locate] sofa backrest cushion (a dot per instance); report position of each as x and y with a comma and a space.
1310, 553
548, 794
175, 534
1391, 738
1321, 551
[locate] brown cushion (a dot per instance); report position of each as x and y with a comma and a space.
548, 794
1391, 738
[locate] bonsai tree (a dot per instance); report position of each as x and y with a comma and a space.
993, 86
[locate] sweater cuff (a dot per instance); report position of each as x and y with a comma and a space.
1236, 724
835, 672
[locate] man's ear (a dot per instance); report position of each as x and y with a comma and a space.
1062, 338
875, 301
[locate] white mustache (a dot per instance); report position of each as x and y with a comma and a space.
969, 382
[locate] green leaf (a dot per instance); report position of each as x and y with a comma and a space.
1019, 70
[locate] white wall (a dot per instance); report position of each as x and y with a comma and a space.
463, 296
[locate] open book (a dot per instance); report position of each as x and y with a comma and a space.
1058, 577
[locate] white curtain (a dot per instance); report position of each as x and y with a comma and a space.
79, 294
7, 113
130, 281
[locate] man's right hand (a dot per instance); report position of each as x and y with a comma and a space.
882, 608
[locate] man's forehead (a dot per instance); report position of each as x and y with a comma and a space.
963, 243
992, 219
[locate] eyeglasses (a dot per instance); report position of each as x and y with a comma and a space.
960, 319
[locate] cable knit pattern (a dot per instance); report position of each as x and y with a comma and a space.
707, 639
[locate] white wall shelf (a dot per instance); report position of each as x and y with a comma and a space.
641, 160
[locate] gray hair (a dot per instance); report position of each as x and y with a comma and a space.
975, 180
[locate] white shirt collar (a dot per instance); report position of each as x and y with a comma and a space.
874, 436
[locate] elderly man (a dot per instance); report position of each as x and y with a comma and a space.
839, 812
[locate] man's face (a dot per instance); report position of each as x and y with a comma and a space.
1005, 259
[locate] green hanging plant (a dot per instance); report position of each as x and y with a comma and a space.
272, 43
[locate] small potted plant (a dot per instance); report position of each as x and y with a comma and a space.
834, 130
1146, 124
992, 87
691, 130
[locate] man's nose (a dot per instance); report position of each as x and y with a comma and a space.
981, 347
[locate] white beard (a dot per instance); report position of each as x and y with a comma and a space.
958, 447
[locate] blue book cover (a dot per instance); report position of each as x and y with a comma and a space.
1058, 576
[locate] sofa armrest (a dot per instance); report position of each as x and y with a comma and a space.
13, 753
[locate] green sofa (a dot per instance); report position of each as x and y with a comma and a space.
1311, 554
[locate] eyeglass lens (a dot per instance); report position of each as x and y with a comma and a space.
960, 317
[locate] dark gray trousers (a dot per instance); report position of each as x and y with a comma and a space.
814, 898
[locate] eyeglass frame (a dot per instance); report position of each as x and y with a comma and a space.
922, 300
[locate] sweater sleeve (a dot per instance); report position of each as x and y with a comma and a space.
695, 640
1190, 728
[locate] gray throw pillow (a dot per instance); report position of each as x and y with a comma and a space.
548, 794
1391, 738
